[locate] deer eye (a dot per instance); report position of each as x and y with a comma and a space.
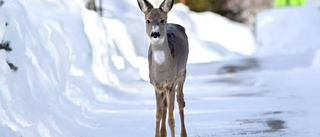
148, 21
162, 21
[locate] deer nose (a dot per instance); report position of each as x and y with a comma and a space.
155, 34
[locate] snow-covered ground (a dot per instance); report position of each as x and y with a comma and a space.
81, 75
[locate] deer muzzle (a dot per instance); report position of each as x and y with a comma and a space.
155, 34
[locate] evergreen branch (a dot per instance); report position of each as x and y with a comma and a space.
5, 46
1, 2
12, 67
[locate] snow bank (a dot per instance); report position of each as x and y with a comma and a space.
288, 31
55, 82
213, 36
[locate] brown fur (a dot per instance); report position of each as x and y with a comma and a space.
167, 78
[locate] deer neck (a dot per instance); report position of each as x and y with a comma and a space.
161, 51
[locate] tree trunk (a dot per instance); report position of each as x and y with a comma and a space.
100, 8
91, 5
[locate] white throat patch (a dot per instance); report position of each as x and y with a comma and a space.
157, 40
159, 56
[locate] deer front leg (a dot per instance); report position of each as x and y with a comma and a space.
170, 93
158, 113
164, 116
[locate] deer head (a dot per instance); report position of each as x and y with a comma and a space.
156, 19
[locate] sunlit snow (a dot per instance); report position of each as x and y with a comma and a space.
82, 75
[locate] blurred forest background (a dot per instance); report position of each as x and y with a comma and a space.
243, 11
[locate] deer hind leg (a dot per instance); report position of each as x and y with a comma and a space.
170, 93
159, 99
181, 104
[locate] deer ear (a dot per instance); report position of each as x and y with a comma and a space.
144, 5
166, 5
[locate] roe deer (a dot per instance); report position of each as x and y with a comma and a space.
167, 56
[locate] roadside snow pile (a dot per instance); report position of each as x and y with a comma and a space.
288, 37
212, 36
55, 82
288, 31
289, 46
